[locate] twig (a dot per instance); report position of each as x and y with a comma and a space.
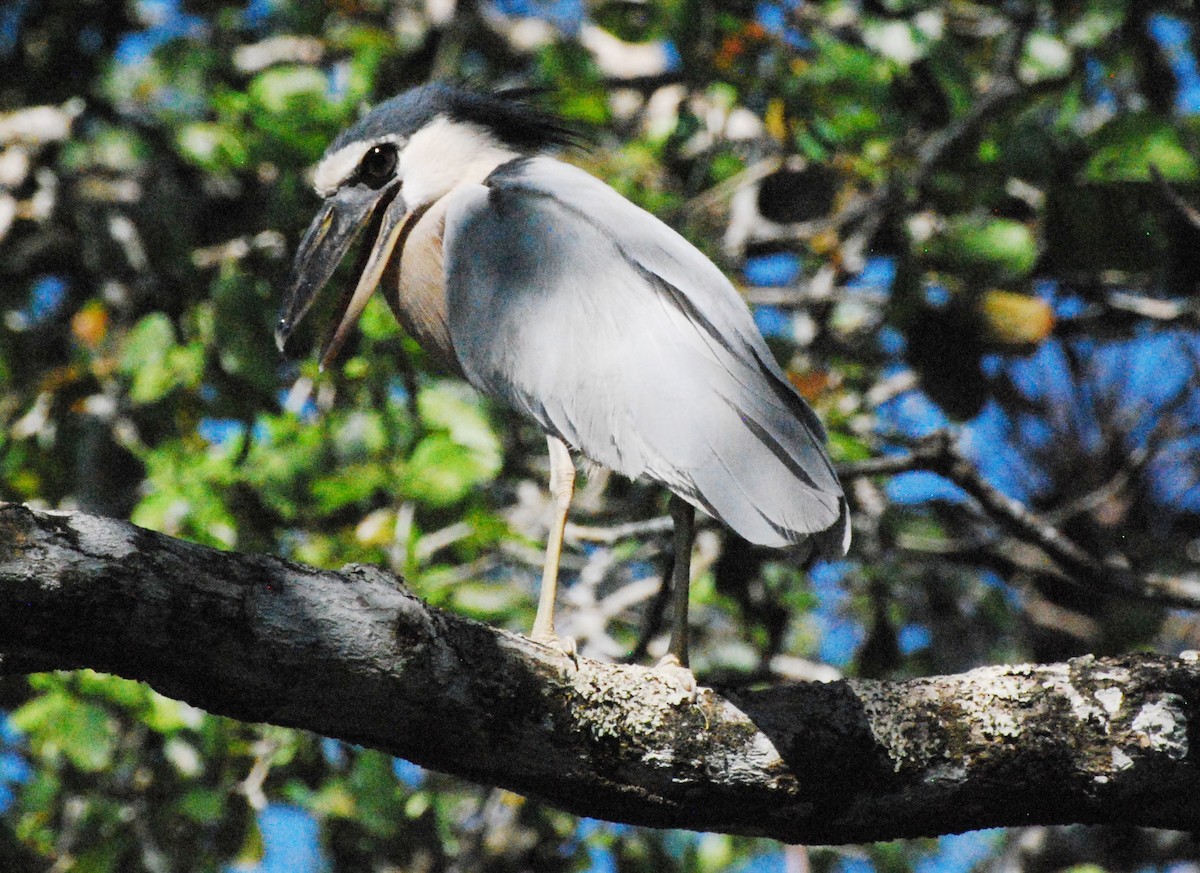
610, 535
653, 621
1151, 307
884, 465
940, 453
270, 242
1138, 459
1186, 210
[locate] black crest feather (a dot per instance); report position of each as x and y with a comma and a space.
509, 114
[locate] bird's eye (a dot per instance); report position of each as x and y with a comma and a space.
378, 164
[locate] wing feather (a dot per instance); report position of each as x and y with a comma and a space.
594, 318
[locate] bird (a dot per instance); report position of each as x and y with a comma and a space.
550, 292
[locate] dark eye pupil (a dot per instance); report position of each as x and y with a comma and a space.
379, 163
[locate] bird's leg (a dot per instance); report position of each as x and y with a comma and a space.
562, 486
676, 659
684, 517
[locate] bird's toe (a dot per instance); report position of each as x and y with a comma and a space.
550, 639
678, 675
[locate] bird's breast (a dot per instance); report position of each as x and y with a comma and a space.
415, 286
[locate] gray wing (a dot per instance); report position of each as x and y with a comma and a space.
614, 333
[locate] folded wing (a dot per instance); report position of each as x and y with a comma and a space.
609, 329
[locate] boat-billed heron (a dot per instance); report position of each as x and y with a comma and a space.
552, 293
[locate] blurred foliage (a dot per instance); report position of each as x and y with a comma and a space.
998, 160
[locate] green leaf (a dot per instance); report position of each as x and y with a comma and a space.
368, 46
714, 852
102, 857
347, 486
333, 799
156, 364
417, 805
203, 805
165, 715
58, 723
1128, 146
1094, 25
455, 408
462, 454
377, 791
984, 248
378, 322
215, 147
844, 447
282, 89
123, 692
442, 471
147, 343
254, 847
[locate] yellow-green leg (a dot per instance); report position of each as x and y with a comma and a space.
562, 487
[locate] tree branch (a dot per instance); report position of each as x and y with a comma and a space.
355, 655
939, 452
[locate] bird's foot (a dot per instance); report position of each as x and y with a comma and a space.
550, 639
679, 675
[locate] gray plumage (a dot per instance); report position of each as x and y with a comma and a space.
614, 333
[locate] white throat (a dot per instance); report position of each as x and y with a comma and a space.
445, 154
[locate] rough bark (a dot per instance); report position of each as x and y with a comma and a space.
355, 655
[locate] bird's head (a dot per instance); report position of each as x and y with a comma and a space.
392, 165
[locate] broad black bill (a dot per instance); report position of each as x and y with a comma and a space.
339, 222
